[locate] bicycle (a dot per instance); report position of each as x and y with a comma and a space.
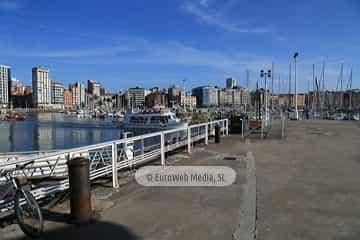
27, 210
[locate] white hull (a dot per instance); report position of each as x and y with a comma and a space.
154, 126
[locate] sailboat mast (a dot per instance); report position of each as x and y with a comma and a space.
272, 86
323, 84
313, 91
279, 85
341, 85
350, 89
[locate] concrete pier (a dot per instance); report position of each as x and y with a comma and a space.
304, 187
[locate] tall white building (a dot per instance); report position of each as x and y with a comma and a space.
57, 95
136, 97
5, 78
79, 95
238, 96
206, 96
94, 87
41, 87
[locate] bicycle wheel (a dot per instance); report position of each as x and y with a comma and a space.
28, 213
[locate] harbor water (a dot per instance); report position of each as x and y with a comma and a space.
49, 131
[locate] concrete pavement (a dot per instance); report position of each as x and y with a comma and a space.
138, 212
306, 187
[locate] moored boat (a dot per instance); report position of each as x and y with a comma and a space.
152, 119
14, 117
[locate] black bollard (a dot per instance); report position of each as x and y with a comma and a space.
217, 134
80, 191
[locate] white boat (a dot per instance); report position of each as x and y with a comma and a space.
152, 120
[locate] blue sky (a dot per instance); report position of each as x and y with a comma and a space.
160, 42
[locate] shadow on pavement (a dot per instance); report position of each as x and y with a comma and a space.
94, 230
55, 216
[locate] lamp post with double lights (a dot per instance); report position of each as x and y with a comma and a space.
265, 75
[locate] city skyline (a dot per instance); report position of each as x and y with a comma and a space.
147, 44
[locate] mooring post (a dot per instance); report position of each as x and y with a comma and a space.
217, 133
80, 191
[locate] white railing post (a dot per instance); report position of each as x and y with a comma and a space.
114, 165
189, 139
142, 148
206, 134
162, 148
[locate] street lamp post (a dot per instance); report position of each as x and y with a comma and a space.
265, 75
296, 55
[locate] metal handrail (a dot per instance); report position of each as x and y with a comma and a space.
104, 157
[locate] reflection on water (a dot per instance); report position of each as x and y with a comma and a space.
46, 131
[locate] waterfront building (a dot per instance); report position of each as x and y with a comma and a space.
174, 96
78, 95
354, 95
16, 89
206, 96
102, 91
237, 96
121, 101
92, 100
255, 97
68, 104
226, 97
41, 87
5, 78
188, 101
283, 99
156, 99
334, 99
245, 96
230, 82
24, 100
28, 90
57, 95
94, 87
108, 100
136, 97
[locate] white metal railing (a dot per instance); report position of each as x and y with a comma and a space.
109, 157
